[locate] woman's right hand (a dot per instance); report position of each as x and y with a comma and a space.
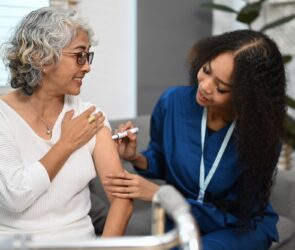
127, 145
75, 132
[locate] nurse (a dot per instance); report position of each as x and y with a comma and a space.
217, 141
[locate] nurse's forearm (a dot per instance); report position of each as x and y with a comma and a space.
140, 161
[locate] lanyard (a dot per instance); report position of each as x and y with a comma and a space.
204, 182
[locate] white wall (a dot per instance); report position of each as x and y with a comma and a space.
225, 21
112, 82
283, 35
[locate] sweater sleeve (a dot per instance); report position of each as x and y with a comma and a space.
20, 184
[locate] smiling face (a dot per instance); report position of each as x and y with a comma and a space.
66, 76
215, 84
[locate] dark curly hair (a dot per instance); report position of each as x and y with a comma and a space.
258, 95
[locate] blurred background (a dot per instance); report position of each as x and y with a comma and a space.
143, 44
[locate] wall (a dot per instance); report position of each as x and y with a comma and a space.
225, 21
283, 35
136, 59
166, 31
112, 82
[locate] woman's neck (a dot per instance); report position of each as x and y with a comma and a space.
46, 104
219, 118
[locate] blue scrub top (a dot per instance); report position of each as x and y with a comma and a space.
174, 154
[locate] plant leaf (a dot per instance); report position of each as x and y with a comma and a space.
290, 102
212, 6
290, 131
278, 22
249, 12
287, 58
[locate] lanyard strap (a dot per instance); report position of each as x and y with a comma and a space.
204, 182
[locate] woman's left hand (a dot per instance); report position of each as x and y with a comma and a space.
126, 185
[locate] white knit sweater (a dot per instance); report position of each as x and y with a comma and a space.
29, 203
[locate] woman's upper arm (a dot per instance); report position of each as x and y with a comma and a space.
105, 154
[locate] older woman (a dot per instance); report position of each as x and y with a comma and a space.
51, 143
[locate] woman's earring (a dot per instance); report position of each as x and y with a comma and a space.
44, 71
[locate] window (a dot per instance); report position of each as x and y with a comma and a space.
10, 14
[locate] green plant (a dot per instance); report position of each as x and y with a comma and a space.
247, 15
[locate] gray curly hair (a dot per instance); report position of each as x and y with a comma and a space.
38, 40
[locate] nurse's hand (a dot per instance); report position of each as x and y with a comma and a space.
126, 185
127, 145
